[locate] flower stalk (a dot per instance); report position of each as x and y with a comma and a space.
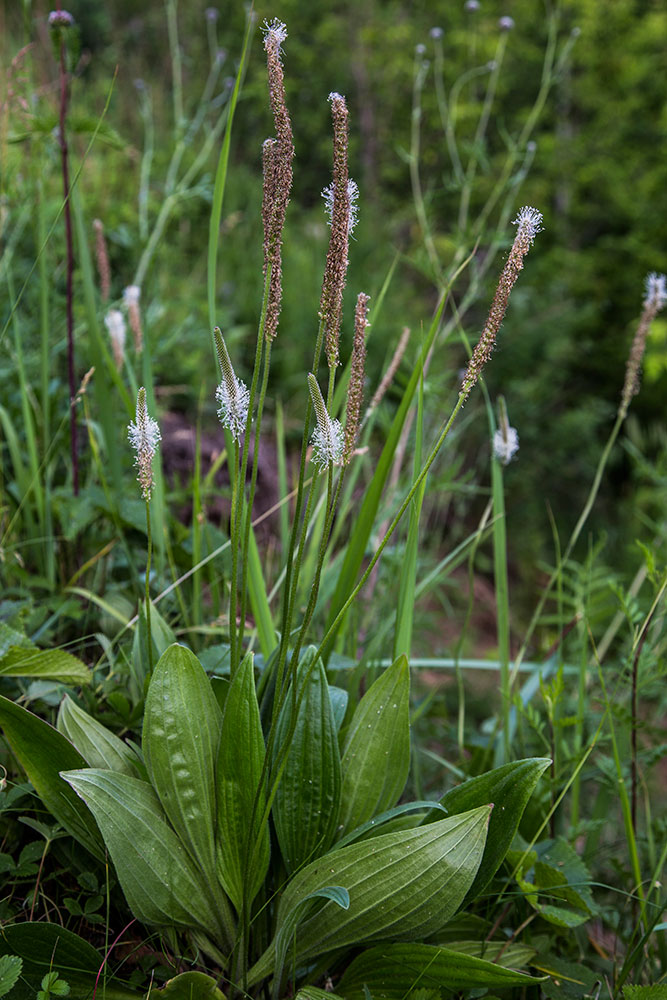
144, 435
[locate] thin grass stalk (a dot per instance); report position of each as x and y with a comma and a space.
221, 179
333, 627
281, 462
480, 132
147, 593
197, 527
406, 594
443, 108
574, 537
420, 71
45, 373
176, 69
69, 292
56, 219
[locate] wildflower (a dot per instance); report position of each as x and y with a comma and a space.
144, 436
102, 256
115, 324
655, 299
529, 223
232, 393
506, 23
340, 199
278, 154
355, 389
211, 14
327, 437
471, 6
60, 19
505, 439
131, 296
352, 198
436, 33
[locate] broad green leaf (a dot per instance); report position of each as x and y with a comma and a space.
44, 947
338, 698
190, 986
54, 664
10, 970
508, 788
402, 886
242, 847
305, 809
43, 752
382, 823
392, 971
315, 993
511, 956
376, 757
181, 735
97, 744
161, 882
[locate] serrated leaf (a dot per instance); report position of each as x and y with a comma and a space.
161, 882
307, 801
181, 735
43, 752
402, 886
54, 664
376, 757
508, 788
98, 745
242, 847
315, 993
10, 970
390, 972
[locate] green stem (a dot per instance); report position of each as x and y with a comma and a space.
149, 638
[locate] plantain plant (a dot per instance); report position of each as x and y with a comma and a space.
261, 815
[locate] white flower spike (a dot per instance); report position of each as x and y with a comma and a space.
144, 436
232, 393
327, 439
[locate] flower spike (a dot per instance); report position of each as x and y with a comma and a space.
144, 436
232, 393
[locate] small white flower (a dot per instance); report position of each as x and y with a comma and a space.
144, 436
275, 33
506, 23
656, 290
232, 394
328, 439
131, 295
505, 444
115, 324
352, 198
530, 221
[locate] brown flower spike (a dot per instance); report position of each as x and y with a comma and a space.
355, 391
529, 222
654, 300
340, 198
277, 158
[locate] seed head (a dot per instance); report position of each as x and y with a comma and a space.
275, 33
341, 206
115, 324
505, 439
60, 19
655, 299
529, 223
103, 268
232, 393
355, 390
131, 296
327, 439
144, 436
